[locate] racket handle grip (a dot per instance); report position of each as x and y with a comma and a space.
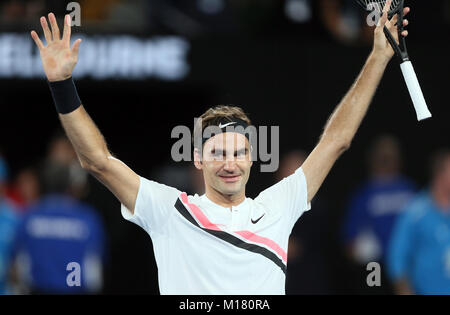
415, 91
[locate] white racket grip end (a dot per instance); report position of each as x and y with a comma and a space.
415, 91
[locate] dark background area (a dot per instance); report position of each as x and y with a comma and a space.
282, 74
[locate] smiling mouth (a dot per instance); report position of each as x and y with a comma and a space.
230, 178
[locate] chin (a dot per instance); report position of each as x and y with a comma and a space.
230, 190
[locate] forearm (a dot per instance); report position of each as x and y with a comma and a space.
347, 117
86, 139
59, 60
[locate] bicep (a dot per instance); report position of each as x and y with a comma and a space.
318, 164
122, 181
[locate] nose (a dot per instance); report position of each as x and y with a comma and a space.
230, 165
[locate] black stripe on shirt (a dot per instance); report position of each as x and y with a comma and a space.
231, 239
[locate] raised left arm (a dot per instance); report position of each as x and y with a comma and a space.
348, 115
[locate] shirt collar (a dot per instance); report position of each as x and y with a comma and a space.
208, 201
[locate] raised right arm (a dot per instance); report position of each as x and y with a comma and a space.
59, 60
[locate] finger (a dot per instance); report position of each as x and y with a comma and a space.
37, 40
387, 6
384, 17
47, 32
76, 47
393, 28
54, 25
406, 11
394, 20
67, 29
382, 22
405, 33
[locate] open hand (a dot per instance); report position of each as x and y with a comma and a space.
381, 45
58, 59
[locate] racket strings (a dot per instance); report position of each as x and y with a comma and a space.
378, 5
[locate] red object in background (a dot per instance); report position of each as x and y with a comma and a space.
14, 196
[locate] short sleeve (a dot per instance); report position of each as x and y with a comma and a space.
289, 196
154, 206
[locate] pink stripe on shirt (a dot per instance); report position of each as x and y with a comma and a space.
198, 214
252, 237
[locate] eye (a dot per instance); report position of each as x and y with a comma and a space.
241, 153
217, 153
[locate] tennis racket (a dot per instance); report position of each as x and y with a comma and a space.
400, 50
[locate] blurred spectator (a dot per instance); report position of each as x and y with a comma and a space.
298, 11
347, 22
97, 10
419, 253
130, 13
184, 177
12, 10
8, 226
125, 14
375, 206
20, 10
60, 151
58, 230
4, 172
307, 267
343, 19
25, 189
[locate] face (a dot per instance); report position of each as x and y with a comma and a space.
27, 184
385, 157
226, 163
62, 151
446, 175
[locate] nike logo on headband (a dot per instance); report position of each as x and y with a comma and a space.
223, 126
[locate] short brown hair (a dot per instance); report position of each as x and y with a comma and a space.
216, 114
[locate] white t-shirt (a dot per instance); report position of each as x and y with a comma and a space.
203, 248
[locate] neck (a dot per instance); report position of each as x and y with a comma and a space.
224, 200
441, 196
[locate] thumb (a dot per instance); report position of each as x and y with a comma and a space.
76, 47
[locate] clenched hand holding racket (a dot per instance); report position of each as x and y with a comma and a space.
396, 12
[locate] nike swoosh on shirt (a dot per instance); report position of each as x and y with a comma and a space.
256, 221
223, 126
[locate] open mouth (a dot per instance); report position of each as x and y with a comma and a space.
230, 178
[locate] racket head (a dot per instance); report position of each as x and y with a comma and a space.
395, 8
370, 5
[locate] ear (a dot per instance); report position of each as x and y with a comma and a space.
197, 159
250, 155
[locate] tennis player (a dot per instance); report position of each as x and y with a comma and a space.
220, 242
